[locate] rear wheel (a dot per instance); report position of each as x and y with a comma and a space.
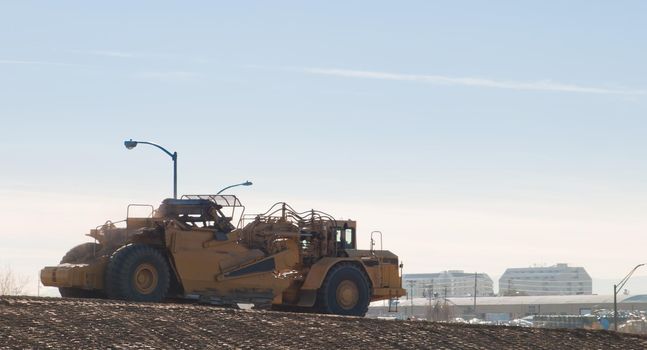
81, 254
345, 291
139, 273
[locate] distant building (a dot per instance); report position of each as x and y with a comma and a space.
559, 279
456, 283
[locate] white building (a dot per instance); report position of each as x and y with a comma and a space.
456, 283
559, 279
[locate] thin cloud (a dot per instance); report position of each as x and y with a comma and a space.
542, 85
167, 76
119, 54
36, 63
140, 55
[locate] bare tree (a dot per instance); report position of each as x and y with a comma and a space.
11, 283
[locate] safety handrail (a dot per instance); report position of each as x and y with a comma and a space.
373, 241
139, 205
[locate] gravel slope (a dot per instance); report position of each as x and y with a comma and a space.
82, 323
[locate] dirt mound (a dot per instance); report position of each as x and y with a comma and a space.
84, 323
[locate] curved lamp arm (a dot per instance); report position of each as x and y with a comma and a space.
626, 279
130, 144
246, 183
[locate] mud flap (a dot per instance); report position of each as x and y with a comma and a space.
307, 298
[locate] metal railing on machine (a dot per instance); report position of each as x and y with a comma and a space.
223, 200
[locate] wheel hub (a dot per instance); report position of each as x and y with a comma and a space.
145, 278
347, 294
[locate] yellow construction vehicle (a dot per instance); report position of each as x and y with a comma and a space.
188, 248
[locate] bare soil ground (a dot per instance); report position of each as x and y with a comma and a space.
39, 323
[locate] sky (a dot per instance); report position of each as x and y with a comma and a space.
475, 135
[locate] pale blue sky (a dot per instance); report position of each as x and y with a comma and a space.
477, 135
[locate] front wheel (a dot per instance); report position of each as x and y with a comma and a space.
138, 273
345, 291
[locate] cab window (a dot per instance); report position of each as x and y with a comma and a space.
346, 238
349, 238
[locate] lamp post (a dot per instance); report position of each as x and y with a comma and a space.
616, 288
246, 183
130, 144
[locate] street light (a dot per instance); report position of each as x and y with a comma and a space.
615, 294
246, 183
130, 144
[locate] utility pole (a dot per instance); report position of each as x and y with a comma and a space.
475, 277
615, 308
432, 287
411, 283
430, 295
445, 311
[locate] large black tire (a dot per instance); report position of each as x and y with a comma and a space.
345, 291
139, 273
81, 254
